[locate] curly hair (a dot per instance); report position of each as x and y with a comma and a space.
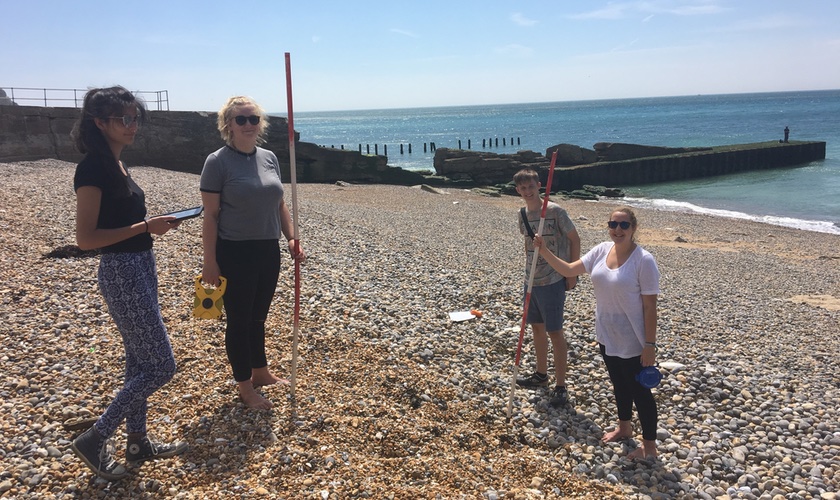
226, 114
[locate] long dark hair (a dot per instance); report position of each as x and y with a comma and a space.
104, 103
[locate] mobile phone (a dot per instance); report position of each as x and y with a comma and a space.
189, 213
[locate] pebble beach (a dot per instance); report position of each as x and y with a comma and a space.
395, 400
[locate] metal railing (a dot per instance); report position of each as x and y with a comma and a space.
73, 98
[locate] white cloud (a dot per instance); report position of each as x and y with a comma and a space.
625, 46
622, 10
611, 11
403, 32
767, 23
521, 20
516, 50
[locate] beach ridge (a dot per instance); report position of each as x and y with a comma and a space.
394, 399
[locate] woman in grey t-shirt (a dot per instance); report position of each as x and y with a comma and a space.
244, 216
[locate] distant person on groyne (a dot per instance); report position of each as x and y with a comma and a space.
245, 214
625, 278
111, 216
548, 294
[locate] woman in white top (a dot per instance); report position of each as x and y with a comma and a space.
626, 283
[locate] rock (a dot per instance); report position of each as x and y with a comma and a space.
570, 154
616, 151
430, 189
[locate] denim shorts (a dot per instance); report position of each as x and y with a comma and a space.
547, 303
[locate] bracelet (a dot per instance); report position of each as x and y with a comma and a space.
147, 225
652, 344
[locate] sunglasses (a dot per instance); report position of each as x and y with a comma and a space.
614, 224
241, 119
127, 120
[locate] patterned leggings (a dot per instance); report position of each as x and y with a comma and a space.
128, 282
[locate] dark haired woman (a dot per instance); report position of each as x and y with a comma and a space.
111, 216
245, 214
625, 279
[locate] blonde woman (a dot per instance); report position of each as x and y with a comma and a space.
245, 214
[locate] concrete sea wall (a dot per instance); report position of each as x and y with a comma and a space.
181, 140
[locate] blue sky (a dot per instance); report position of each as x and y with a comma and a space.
395, 54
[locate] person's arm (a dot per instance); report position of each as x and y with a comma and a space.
288, 231
209, 236
89, 236
567, 269
574, 255
650, 315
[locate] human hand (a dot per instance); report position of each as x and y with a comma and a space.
300, 256
571, 283
538, 241
161, 224
210, 274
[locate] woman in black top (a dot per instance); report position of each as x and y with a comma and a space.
111, 216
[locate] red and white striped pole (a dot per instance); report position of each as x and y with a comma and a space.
295, 217
534, 260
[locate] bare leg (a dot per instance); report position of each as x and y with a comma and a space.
623, 431
251, 398
561, 356
540, 347
647, 450
262, 376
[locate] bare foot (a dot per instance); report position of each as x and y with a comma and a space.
647, 450
252, 398
274, 380
616, 435
261, 377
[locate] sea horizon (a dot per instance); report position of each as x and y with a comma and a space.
798, 197
284, 113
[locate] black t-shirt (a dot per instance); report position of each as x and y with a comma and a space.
116, 209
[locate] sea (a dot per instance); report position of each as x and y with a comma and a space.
805, 197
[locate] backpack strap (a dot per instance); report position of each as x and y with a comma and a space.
527, 224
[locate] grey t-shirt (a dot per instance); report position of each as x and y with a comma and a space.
555, 232
250, 193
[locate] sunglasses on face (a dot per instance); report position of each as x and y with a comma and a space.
614, 224
127, 120
252, 119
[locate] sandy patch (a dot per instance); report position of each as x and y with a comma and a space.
825, 301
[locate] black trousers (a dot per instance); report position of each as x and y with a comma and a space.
628, 391
252, 269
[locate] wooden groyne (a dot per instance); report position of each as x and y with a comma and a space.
431, 146
715, 161
636, 165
